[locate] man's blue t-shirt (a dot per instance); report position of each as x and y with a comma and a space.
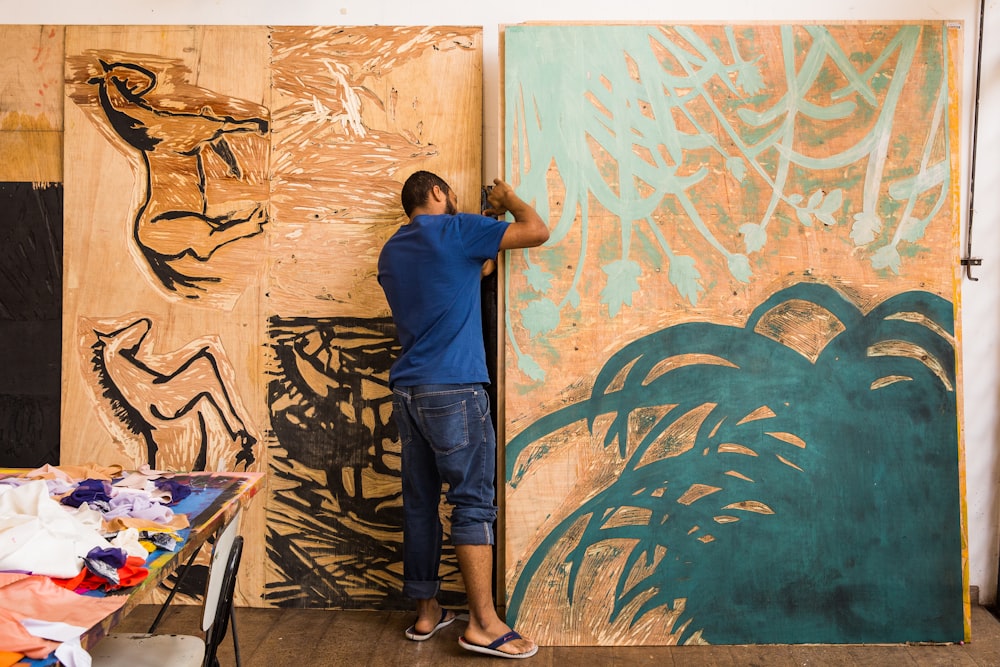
430, 273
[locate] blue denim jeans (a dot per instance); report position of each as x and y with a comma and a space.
447, 438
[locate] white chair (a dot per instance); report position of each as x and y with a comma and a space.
161, 650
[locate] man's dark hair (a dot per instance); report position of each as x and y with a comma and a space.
417, 189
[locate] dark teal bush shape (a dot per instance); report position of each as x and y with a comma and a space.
864, 545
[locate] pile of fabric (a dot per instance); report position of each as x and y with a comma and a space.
68, 531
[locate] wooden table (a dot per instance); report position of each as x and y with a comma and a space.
214, 500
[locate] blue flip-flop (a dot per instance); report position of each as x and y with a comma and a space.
494, 648
411, 632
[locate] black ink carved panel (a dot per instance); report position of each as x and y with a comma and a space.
31, 242
335, 521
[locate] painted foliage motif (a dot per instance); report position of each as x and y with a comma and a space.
748, 295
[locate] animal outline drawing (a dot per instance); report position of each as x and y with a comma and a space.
180, 404
183, 137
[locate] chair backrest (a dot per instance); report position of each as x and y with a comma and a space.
216, 633
222, 575
217, 568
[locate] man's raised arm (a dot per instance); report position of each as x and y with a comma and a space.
528, 229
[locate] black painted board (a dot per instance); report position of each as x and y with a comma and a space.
31, 236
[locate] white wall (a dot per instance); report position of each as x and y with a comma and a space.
980, 299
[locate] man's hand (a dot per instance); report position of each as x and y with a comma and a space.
499, 198
528, 230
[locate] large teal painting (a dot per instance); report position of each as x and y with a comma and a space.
730, 381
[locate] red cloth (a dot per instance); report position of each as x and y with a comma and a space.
133, 572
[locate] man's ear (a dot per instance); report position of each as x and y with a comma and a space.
438, 194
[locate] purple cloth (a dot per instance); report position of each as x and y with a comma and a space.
105, 563
138, 506
178, 491
89, 490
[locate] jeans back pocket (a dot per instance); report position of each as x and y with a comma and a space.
446, 427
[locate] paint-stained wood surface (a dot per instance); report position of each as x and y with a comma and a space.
31, 102
731, 373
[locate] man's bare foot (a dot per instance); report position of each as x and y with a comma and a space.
499, 638
431, 617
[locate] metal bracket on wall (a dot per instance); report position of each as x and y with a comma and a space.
969, 262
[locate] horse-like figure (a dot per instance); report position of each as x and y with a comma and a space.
175, 219
180, 405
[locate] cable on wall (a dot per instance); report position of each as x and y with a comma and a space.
968, 261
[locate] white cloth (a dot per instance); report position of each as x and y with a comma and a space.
38, 535
70, 652
128, 541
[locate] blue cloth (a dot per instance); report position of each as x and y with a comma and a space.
430, 273
447, 437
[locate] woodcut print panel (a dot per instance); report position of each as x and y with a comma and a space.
731, 380
151, 271
222, 204
200, 164
166, 182
356, 110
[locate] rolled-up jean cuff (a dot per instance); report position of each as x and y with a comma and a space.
481, 533
421, 590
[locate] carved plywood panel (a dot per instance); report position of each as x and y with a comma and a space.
356, 110
731, 385
166, 181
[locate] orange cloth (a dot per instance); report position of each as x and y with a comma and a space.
7, 658
75, 473
29, 596
73, 583
133, 572
15, 637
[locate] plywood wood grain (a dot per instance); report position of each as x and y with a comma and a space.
733, 365
356, 110
228, 191
166, 201
31, 104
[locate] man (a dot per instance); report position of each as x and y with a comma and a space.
430, 271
